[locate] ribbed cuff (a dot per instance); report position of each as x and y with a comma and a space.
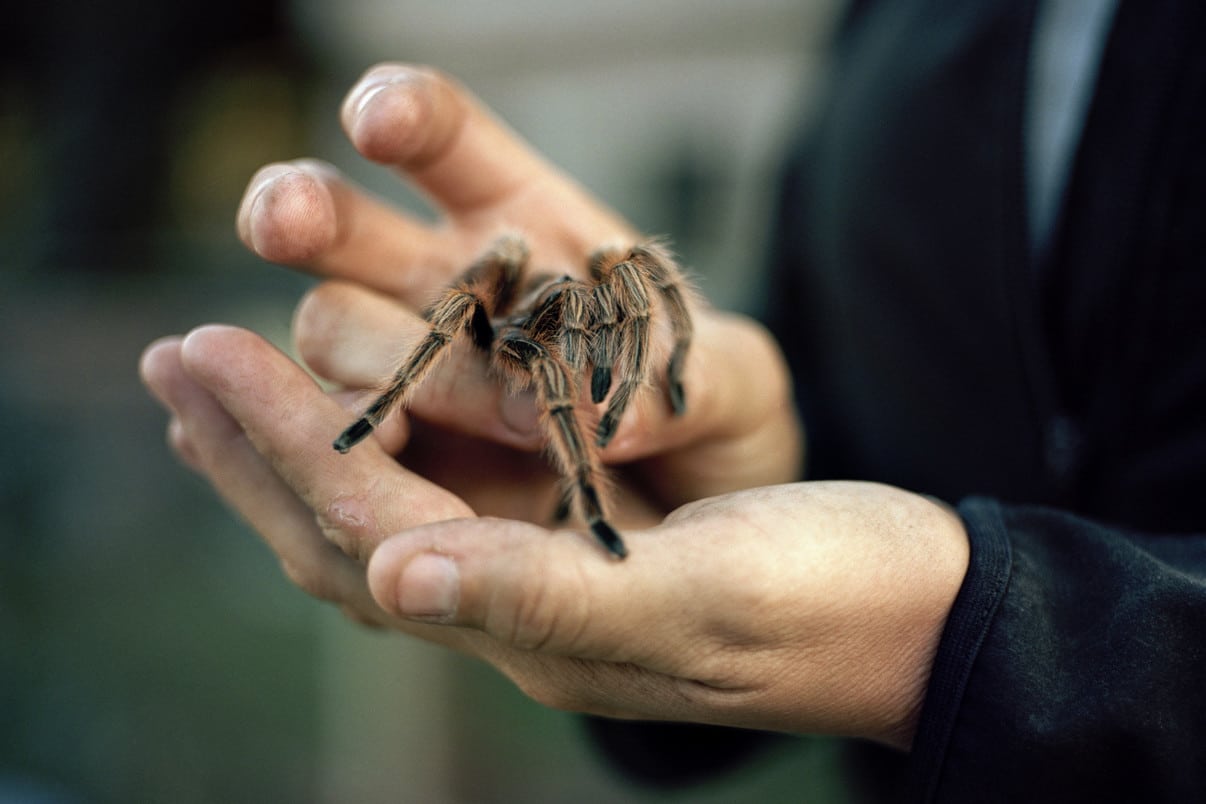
971, 616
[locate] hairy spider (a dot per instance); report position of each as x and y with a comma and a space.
543, 332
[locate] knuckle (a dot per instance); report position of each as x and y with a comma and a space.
550, 614
354, 540
182, 444
533, 623
763, 350
309, 576
316, 324
349, 521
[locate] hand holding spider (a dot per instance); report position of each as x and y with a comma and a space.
806, 607
740, 429
797, 607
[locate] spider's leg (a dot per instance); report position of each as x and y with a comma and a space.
565, 504
632, 302
577, 320
557, 311
487, 286
669, 281
459, 309
496, 275
606, 341
605, 317
524, 358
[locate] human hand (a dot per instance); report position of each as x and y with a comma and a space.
806, 607
739, 429
810, 608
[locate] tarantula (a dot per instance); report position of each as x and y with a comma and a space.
543, 331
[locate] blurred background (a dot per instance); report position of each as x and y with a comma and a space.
150, 649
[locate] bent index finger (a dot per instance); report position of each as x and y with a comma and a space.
425, 124
358, 498
465, 158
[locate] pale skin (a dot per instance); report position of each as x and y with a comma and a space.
747, 600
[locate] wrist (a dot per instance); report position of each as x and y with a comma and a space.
944, 553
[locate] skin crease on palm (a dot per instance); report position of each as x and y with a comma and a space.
748, 599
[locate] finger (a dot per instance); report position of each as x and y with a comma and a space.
305, 214
245, 479
357, 498
420, 121
179, 441
466, 160
214, 445
357, 338
732, 377
739, 429
353, 336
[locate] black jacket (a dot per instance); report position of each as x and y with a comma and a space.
1061, 407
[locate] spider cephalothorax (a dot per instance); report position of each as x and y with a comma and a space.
545, 332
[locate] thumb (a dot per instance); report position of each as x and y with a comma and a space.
550, 592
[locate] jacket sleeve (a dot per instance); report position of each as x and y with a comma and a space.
1072, 668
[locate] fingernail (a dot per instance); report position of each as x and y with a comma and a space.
430, 588
268, 177
366, 97
251, 207
518, 413
370, 87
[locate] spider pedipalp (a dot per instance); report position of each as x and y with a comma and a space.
547, 333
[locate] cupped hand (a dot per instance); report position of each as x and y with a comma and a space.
806, 608
802, 607
739, 429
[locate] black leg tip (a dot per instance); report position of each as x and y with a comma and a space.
678, 399
600, 384
562, 511
353, 435
606, 430
608, 537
